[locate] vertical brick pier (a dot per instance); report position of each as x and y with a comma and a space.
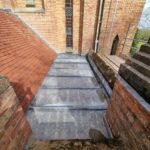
14, 128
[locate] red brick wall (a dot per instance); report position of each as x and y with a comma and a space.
129, 117
14, 128
24, 58
122, 23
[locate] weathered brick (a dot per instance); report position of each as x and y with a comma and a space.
14, 128
133, 120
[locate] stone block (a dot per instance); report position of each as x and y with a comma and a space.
142, 57
107, 72
139, 66
145, 48
137, 80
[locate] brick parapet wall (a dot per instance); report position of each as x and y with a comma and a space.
24, 58
136, 71
128, 112
129, 116
14, 128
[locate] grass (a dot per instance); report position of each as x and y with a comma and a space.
143, 35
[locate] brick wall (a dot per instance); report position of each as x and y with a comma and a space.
14, 128
48, 19
22, 4
128, 112
24, 58
89, 20
49, 23
122, 23
129, 116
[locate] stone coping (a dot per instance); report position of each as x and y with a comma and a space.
140, 100
100, 76
29, 10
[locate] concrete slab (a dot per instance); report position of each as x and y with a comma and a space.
70, 82
48, 124
69, 56
70, 72
74, 98
71, 66
78, 60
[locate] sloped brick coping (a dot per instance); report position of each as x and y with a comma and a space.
25, 63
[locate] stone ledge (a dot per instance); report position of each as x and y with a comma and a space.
29, 10
137, 80
139, 66
134, 93
100, 77
4, 84
143, 57
107, 72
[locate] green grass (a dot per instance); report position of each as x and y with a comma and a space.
142, 34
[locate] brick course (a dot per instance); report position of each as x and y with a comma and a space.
24, 58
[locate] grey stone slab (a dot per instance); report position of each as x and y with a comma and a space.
56, 124
71, 98
70, 72
139, 66
142, 57
69, 82
68, 56
78, 60
71, 66
69, 102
